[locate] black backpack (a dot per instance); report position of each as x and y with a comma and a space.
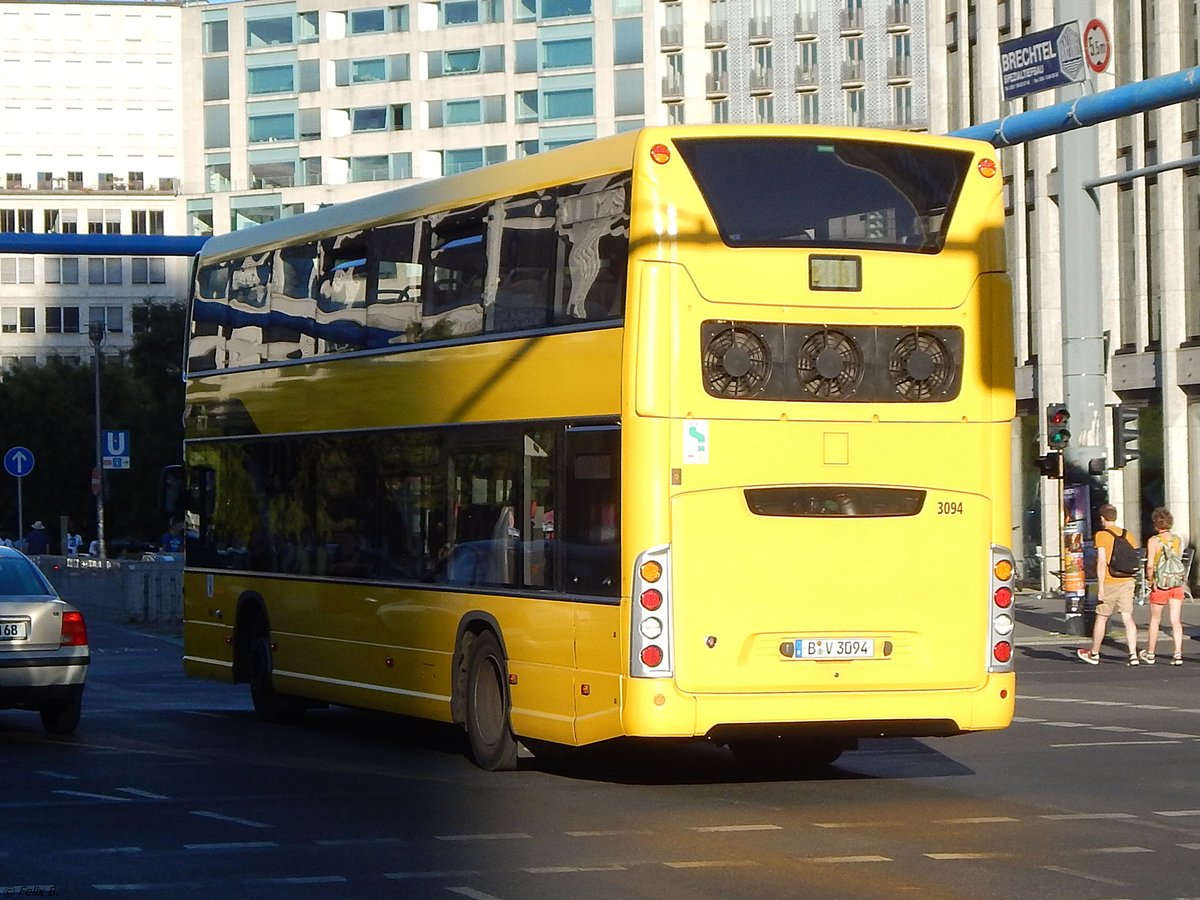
1124, 562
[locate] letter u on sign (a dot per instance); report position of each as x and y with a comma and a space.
116, 443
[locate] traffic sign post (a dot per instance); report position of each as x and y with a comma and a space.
18, 462
1097, 46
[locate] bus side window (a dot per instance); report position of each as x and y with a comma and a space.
525, 266
292, 328
249, 278
455, 279
593, 228
342, 293
394, 310
210, 308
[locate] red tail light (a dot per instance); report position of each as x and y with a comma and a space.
1003, 597
652, 656
651, 599
1002, 651
74, 631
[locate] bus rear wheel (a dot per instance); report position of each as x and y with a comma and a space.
489, 732
270, 705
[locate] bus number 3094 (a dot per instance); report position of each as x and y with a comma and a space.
948, 508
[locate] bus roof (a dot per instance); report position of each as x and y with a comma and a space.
588, 159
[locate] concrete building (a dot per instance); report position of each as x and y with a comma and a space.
91, 144
213, 116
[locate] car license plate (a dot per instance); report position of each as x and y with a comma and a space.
834, 648
14, 631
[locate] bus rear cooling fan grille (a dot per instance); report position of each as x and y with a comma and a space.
921, 366
737, 363
830, 365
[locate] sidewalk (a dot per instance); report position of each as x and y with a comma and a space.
1042, 622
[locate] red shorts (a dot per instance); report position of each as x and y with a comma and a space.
1160, 596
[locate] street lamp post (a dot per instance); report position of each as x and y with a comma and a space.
96, 336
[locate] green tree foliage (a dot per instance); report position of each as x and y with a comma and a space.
50, 409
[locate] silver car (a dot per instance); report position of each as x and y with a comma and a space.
43, 646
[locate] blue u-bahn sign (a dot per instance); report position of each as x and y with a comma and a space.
1042, 60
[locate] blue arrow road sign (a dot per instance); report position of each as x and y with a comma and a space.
18, 462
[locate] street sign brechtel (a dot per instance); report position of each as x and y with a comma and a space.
1042, 60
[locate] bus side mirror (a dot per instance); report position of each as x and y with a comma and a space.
172, 490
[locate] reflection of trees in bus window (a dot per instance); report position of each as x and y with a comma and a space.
394, 313
524, 264
593, 224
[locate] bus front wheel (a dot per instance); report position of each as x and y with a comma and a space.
270, 705
489, 733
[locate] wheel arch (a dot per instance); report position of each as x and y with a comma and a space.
470, 626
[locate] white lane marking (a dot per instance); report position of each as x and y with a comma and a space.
361, 842
1189, 846
1026, 719
603, 833
250, 823
1116, 729
1112, 744
1178, 812
232, 845
91, 796
715, 828
1082, 817
977, 820
712, 864
1067, 724
1172, 734
1103, 702
148, 795
515, 836
472, 893
569, 870
1096, 850
1150, 706
845, 859
61, 776
100, 851
407, 876
855, 824
1085, 875
300, 879
950, 856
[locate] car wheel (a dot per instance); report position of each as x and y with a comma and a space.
62, 717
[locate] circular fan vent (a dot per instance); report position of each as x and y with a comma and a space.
920, 366
830, 365
736, 363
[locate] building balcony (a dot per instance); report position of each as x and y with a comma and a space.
852, 70
899, 16
806, 76
806, 24
851, 20
672, 88
900, 67
716, 85
762, 81
671, 37
716, 33
760, 29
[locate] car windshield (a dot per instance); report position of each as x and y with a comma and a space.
19, 577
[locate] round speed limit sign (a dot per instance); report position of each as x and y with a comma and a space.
1096, 45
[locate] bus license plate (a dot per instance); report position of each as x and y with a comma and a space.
14, 631
835, 648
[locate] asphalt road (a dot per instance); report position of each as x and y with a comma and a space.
172, 788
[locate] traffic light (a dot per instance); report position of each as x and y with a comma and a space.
1051, 465
1124, 435
1058, 420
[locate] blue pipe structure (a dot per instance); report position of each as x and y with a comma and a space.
102, 244
1089, 109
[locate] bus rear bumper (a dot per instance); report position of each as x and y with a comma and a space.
655, 708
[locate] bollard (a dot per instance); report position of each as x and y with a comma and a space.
1075, 609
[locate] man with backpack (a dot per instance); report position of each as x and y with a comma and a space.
1117, 565
1166, 574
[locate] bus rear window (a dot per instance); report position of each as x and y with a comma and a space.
806, 192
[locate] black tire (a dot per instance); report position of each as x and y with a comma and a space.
489, 731
63, 716
270, 705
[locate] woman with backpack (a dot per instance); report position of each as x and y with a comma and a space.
1166, 573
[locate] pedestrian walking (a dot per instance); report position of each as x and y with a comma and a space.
1117, 566
1166, 573
36, 542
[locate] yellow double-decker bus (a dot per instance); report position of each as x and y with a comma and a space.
696, 432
